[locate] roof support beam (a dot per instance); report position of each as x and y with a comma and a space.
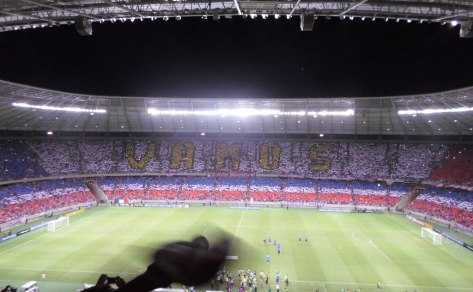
354, 6
27, 16
130, 10
294, 8
57, 8
237, 6
467, 13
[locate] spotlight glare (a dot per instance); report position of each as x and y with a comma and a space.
435, 111
58, 108
248, 112
454, 23
49, 133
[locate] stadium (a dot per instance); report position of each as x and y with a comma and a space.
318, 194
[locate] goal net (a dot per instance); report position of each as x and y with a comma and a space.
431, 235
58, 223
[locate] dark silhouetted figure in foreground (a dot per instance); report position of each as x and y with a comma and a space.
190, 263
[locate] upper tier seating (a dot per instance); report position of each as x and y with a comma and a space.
362, 161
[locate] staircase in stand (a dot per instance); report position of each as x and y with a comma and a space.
408, 198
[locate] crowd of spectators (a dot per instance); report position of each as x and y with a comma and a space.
457, 169
261, 171
364, 161
26, 199
449, 204
266, 189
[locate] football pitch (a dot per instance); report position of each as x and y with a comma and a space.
344, 251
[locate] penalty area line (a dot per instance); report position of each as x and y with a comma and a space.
69, 271
371, 242
5, 251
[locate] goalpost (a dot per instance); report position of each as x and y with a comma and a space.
431, 234
58, 223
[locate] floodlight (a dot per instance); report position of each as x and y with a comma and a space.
49, 133
454, 23
58, 108
436, 111
248, 112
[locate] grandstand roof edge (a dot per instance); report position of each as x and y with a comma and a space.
99, 96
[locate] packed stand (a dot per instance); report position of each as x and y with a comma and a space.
259, 189
457, 168
358, 161
448, 204
22, 200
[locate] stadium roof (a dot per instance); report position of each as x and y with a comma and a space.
25, 14
26, 108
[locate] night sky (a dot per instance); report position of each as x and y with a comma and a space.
241, 58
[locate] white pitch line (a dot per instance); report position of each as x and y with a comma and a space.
384, 284
371, 242
69, 271
239, 223
21, 244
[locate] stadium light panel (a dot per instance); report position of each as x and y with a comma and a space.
454, 23
59, 108
436, 111
49, 133
249, 112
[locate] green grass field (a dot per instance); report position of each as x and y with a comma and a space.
344, 250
